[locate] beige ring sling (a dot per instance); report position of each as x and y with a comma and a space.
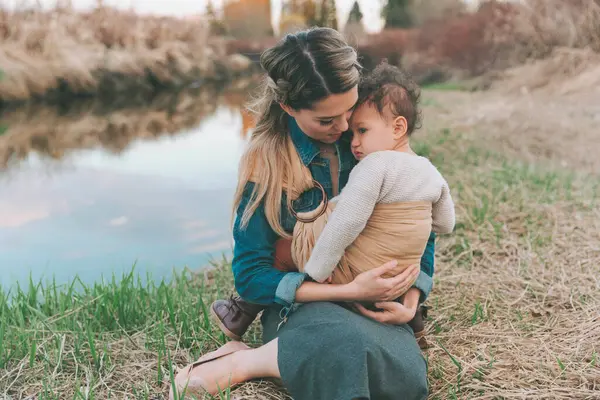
394, 231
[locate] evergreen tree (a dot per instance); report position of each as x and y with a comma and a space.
217, 26
397, 14
355, 14
354, 26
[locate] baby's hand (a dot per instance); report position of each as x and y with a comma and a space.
391, 312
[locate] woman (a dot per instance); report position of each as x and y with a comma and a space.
320, 350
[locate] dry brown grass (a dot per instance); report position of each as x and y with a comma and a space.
64, 51
515, 311
564, 71
515, 307
539, 26
50, 132
556, 122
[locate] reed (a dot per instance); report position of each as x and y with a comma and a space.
63, 53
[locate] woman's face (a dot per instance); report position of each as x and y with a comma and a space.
328, 118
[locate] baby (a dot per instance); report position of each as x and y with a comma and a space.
387, 210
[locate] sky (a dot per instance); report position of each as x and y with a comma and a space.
371, 9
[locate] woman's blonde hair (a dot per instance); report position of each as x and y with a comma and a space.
301, 69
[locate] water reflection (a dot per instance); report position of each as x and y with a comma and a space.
93, 190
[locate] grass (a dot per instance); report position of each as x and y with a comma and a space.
515, 308
63, 52
110, 338
447, 86
514, 311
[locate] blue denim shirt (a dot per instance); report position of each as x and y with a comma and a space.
256, 280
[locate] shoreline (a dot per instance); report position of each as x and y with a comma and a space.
63, 54
111, 84
57, 129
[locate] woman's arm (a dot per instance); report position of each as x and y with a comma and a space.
255, 278
367, 286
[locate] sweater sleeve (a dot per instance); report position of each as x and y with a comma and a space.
443, 212
352, 211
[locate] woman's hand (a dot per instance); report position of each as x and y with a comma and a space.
393, 312
372, 286
368, 286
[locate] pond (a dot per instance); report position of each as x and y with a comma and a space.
90, 190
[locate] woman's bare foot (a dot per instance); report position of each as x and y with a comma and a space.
212, 373
228, 366
220, 374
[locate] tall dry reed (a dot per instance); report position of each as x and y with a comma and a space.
63, 51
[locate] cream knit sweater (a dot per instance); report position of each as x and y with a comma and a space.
386, 177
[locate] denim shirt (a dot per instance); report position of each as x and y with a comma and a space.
256, 280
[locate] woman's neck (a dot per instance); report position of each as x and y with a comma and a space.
325, 148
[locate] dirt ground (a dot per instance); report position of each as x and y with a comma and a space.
514, 312
536, 126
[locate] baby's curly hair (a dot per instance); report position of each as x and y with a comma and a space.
389, 85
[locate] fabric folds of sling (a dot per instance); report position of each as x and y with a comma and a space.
397, 231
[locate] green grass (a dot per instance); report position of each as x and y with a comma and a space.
447, 86
76, 333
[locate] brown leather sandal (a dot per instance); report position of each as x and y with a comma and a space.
189, 384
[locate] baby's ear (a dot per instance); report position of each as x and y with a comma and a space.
400, 127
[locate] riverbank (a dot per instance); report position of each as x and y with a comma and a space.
53, 131
513, 312
62, 54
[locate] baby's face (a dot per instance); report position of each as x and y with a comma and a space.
371, 132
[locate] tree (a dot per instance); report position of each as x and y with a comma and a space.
355, 14
309, 11
397, 14
248, 18
354, 26
292, 17
327, 14
217, 26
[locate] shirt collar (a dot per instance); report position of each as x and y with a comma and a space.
305, 146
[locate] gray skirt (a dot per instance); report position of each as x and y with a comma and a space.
327, 352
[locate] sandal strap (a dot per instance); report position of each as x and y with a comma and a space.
208, 358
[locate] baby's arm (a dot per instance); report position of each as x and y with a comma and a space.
443, 211
352, 211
